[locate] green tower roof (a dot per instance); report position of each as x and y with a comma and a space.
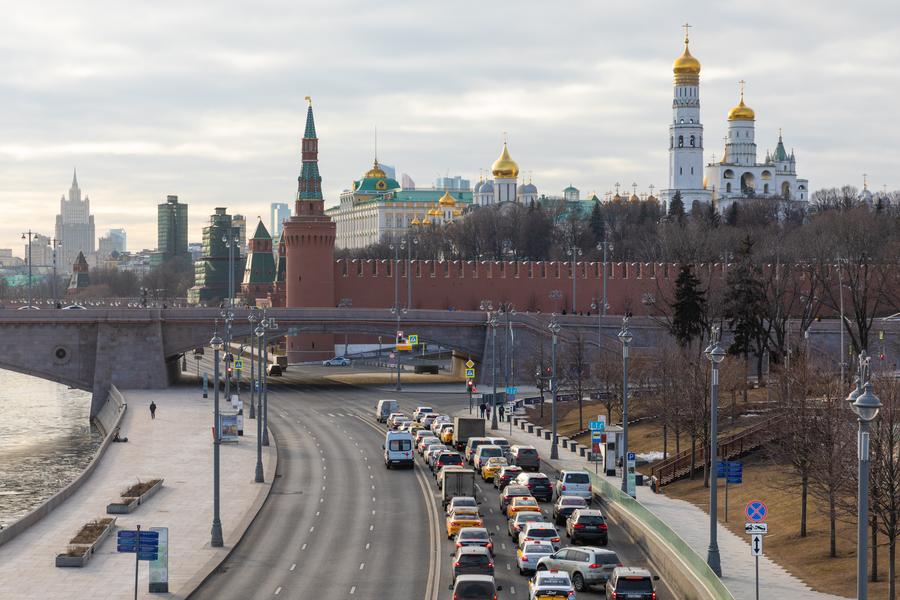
261, 232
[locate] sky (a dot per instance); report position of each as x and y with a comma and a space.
205, 100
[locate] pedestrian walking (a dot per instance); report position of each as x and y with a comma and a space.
152, 409
482, 407
489, 411
500, 411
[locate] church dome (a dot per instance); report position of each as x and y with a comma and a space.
686, 64
415, 221
505, 167
487, 187
447, 199
376, 172
741, 112
634, 198
478, 187
435, 212
527, 188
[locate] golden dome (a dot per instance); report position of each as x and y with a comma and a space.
376, 171
426, 221
447, 199
741, 112
686, 64
505, 167
634, 198
435, 212
617, 198
415, 221
651, 198
456, 212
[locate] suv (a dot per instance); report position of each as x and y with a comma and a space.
506, 475
510, 492
472, 447
586, 565
484, 452
538, 484
565, 506
471, 560
573, 483
631, 582
587, 524
526, 457
539, 532
475, 587
445, 458
421, 411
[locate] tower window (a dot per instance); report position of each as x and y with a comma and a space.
680, 171
682, 121
728, 187
691, 120
681, 141
693, 139
692, 170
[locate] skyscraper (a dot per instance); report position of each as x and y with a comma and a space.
240, 221
113, 241
171, 232
74, 226
211, 269
278, 213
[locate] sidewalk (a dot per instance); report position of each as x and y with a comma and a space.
692, 525
175, 446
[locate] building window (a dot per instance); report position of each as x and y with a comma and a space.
691, 120
692, 170
680, 171
671, 142
765, 188
681, 141
728, 187
693, 141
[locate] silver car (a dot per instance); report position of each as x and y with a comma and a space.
527, 558
586, 565
539, 532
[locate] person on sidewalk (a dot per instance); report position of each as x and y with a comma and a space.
482, 408
152, 409
500, 411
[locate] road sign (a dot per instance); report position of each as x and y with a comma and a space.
756, 511
756, 544
470, 364
239, 364
756, 528
597, 425
470, 373
596, 437
401, 346
144, 543
413, 339
511, 390
629, 468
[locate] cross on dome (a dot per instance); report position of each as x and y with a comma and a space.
686, 27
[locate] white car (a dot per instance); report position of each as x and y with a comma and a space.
337, 361
574, 483
550, 581
421, 411
527, 557
459, 501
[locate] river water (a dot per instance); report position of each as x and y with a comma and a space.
46, 440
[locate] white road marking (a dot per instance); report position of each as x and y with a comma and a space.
508, 568
512, 590
303, 547
477, 487
331, 415
321, 499
371, 527
503, 546
362, 566
373, 498
373, 512
323, 488
317, 513
353, 589
313, 528
373, 487
367, 545
278, 590
293, 566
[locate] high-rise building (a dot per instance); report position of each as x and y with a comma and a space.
211, 269
278, 213
112, 242
74, 227
41, 252
171, 231
454, 184
240, 221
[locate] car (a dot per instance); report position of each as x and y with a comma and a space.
418, 434
420, 412
447, 434
438, 427
587, 524
586, 565
510, 492
489, 469
520, 504
471, 560
565, 506
402, 423
526, 457
528, 556
394, 420
74, 307
426, 441
539, 532
503, 443
441, 420
505, 475
472, 445
631, 582
515, 525
384, 408
431, 451
475, 587
337, 361
463, 516
538, 484
440, 474
274, 370
573, 483
461, 501
552, 581
444, 459
484, 452
398, 449
475, 536
413, 427
427, 419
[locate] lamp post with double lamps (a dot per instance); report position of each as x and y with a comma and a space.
554, 328
216, 540
604, 246
253, 358
259, 331
716, 355
866, 405
625, 337
29, 235
574, 252
396, 310
268, 324
227, 315
507, 309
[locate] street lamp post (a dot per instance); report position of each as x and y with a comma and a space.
625, 337
259, 332
216, 532
866, 406
412, 242
56, 244
30, 234
253, 358
228, 315
492, 321
716, 355
554, 328
604, 245
396, 310
575, 252
841, 355
268, 324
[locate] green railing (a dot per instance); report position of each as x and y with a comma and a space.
678, 546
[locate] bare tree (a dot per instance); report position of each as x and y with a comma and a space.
577, 372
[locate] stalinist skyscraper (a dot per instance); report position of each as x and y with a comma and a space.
74, 227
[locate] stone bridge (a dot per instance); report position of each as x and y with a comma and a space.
140, 348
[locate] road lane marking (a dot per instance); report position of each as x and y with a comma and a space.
503, 546
293, 566
353, 589
512, 590
362, 566
317, 513
303, 547
367, 545
371, 527
331, 415
508, 568
278, 590
313, 528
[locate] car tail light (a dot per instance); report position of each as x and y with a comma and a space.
578, 526
603, 526
530, 486
458, 545
555, 540
612, 596
456, 564
525, 557
590, 489
564, 487
595, 566
489, 546
491, 565
571, 594
620, 565
653, 596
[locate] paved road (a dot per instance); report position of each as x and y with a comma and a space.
339, 523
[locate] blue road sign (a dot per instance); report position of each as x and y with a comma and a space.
144, 543
730, 469
631, 456
148, 555
756, 511
512, 390
597, 425
596, 437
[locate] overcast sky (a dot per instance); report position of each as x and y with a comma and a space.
205, 99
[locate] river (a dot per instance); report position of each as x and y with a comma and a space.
46, 440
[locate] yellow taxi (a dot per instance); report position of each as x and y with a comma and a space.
522, 504
463, 516
492, 467
447, 435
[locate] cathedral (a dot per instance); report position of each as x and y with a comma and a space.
738, 175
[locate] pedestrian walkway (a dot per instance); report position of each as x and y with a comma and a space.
692, 525
175, 446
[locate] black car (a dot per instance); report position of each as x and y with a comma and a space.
506, 476
587, 525
538, 484
629, 582
526, 457
509, 492
445, 459
471, 560
565, 506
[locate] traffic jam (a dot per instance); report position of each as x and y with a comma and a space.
503, 512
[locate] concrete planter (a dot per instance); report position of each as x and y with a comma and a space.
582, 451
538, 431
64, 560
548, 435
129, 505
529, 427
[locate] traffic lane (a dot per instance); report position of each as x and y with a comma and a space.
258, 564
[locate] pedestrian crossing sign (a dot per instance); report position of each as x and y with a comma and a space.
470, 373
413, 339
238, 364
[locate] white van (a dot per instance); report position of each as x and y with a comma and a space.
398, 449
384, 408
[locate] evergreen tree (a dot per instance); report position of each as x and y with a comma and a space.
712, 215
689, 308
731, 215
744, 305
597, 222
676, 207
